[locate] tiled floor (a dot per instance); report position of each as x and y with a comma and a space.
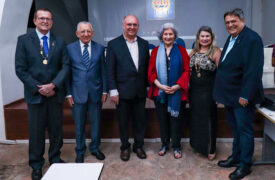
14, 164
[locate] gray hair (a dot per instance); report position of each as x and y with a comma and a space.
83, 22
235, 12
165, 27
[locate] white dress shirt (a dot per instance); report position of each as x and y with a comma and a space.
40, 35
133, 49
82, 48
230, 46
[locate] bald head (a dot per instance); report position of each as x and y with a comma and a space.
130, 16
130, 26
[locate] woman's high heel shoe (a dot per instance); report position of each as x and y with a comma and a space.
211, 157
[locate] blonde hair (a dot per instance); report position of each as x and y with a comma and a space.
212, 47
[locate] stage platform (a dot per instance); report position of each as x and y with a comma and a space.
16, 121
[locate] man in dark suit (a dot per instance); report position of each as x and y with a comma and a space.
127, 64
42, 64
86, 88
239, 87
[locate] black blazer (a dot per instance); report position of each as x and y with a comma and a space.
32, 72
240, 74
121, 71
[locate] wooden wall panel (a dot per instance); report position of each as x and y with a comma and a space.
16, 120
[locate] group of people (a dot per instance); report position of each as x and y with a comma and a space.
52, 70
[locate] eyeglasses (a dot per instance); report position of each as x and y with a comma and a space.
88, 32
134, 25
44, 19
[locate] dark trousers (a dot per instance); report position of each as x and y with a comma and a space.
134, 108
46, 115
241, 120
80, 116
170, 127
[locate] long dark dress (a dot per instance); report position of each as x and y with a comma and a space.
203, 109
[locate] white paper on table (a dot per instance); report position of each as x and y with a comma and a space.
270, 115
73, 171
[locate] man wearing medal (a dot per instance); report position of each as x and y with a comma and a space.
42, 64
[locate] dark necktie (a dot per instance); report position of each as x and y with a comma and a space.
85, 55
45, 45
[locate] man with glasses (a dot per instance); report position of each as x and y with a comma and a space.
127, 64
239, 87
86, 88
42, 64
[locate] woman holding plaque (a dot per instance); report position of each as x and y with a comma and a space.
168, 75
204, 59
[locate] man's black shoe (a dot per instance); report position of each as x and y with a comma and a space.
79, 158
229, 162
125, 154
140, 153
36, 174
99, 155
240, 172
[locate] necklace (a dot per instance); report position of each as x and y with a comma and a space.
44, 57
198, 69
197, 66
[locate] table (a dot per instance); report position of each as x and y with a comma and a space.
268, 151
73, 171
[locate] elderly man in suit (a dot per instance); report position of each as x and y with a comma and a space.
127, 64
42, 64
86, 88
239, 87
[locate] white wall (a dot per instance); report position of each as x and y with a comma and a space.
2, 120
2, 2
268, 22
257, 16
14, 22
14, 16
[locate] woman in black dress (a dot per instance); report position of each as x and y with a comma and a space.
204, 60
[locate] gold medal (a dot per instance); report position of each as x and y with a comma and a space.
44, 57
45, 61
198, 75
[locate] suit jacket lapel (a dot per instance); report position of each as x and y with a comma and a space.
52, 46
126, 50
140, 52
77, 54
36, 42
224, 50
236, 44
93, 53
240, 37
78, 51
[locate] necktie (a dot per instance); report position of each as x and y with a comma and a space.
85, 56
45, 45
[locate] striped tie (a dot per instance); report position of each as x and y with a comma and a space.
85, 56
